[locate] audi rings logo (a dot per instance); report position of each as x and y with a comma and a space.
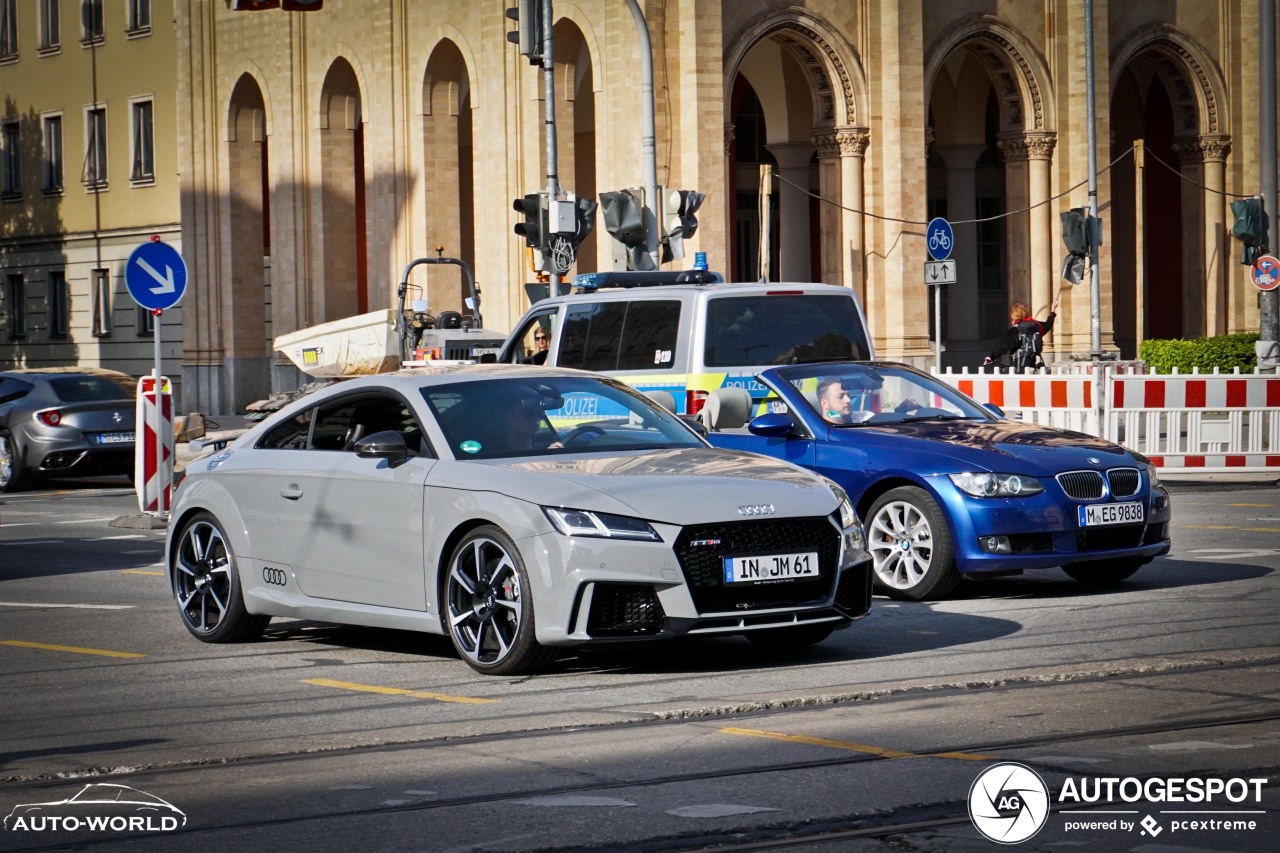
1008, 803
756, 509
274, 576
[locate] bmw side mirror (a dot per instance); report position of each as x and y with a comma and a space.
388, 445
771, 425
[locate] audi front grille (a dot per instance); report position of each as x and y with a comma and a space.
701, 550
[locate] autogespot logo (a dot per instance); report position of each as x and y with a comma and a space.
1008, 803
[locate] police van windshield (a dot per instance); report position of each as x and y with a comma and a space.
783, 329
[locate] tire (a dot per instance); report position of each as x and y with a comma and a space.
13, 477
205, 579
788, 639
489, 606
911, 547
1104, 573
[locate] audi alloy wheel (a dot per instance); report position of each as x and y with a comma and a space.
490, 605
910, 545
206, 583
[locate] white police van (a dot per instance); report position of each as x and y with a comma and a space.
688, 332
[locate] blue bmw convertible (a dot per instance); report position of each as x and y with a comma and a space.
948, 488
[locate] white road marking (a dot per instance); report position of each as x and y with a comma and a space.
1197, 745
717, 810
573, 800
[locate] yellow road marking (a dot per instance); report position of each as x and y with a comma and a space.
854, 747
395, 691
1253, 505
140, 572
77, 649
1231, 527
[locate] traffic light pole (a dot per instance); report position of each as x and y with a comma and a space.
549, 83
1268, 301
648, 153
1095, 289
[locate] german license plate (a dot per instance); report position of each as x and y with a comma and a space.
115, 438
771, 567
1096, 515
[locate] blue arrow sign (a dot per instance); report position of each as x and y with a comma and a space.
156, 276
939, 238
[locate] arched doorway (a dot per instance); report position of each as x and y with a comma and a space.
576, 113
248, 337
449, 174
343, 271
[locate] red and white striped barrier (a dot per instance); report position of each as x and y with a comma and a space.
153, 472
1201, 422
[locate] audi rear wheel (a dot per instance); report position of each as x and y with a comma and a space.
489, 606
910, 544
206, 582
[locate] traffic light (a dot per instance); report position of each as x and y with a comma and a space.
623, 213
533, 229
1076, 233
679, 222
586, 220
1250, 228
528, 32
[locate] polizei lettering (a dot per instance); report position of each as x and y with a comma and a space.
1172, 790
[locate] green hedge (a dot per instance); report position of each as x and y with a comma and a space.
1225, 352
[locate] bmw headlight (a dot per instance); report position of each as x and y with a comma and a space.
986, 485
582, 522
855, 538
1153, 476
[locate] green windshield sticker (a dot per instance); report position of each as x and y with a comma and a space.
469, 446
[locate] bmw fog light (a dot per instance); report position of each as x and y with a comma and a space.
996, 544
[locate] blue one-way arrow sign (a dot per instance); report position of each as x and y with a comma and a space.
156, 276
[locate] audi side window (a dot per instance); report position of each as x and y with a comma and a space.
291, 434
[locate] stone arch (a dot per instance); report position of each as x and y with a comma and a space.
1018, 73
573, 13
448, 168
1197, 87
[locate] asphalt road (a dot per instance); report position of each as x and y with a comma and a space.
324, 737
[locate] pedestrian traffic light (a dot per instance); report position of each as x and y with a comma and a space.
1075, 231
1250, 228
533, 228
624, 215
586, 220
528, 32
679, 221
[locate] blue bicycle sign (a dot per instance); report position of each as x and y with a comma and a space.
940, 238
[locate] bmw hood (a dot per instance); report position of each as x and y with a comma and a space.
1004, 446
682, 486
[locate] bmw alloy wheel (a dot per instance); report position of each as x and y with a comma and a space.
12, 478
910, 544
489, 608
207, 585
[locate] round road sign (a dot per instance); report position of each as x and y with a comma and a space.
1265, 273
939, 238
156, 276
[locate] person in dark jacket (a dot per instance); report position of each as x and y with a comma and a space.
1020, 321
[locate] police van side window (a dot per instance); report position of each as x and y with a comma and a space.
782, 329
635, 335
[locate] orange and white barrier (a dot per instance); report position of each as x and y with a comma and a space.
1202, 422
153, 471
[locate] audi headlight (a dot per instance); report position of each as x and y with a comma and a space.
582, 522
855, 538
985, 485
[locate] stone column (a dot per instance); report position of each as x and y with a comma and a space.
853, 143
793, 209
1191, 157
1017, 232
830, 220
1044, 278
1215, 148
961, 298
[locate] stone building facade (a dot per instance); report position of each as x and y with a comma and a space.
320, 152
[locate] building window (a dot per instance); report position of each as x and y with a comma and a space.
101, 303
146, 322
8, 29
143, 142
59, 305
95, 148
15, 300
10, 160
52, 158
139, 17
50, 25
91, 21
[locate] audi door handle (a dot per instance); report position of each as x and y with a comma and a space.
291, 492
